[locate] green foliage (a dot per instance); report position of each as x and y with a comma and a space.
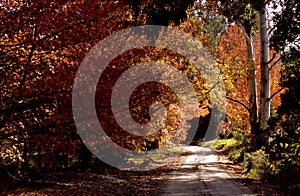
286, 23
257, 164
214, 25
284, 147
221, 144
284, 142
240, 11
234, 147
236, 155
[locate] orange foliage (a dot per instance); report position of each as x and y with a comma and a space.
232, 60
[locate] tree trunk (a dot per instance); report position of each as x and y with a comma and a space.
253, 112
264, 109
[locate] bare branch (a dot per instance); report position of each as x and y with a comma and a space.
239, 102
278, 91
245, 33
271, 30
270, 68
273, 57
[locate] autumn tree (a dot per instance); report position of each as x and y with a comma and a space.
148, 12
42, 45
246, 15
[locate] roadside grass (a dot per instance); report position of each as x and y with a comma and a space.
223, 144
161, 156
230, 147
208, 143
256, 164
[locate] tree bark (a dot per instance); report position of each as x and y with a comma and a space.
264, 108
253, 112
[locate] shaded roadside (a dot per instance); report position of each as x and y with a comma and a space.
203, 173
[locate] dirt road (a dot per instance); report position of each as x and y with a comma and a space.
201, 175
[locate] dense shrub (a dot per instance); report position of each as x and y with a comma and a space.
284, 140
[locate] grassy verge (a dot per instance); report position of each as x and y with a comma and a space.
256, 164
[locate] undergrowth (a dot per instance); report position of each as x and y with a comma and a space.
257, 163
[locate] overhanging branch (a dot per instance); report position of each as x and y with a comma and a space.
239, 102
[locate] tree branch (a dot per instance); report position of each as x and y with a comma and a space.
271, 30
239, 102
274, 63
245, 33
278, 91
273, 57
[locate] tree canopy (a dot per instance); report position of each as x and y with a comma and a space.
42, 45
